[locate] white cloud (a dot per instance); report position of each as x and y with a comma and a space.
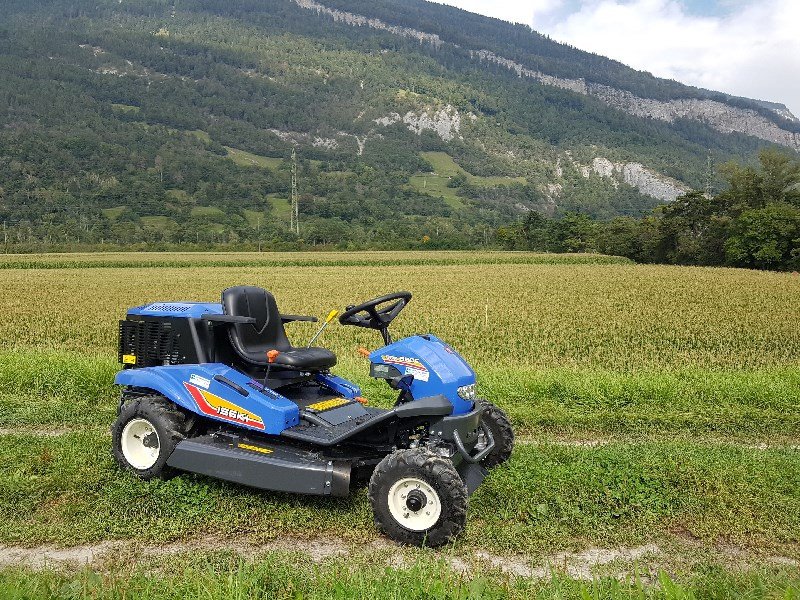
752, 51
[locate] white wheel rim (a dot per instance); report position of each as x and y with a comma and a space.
419, 520
140, 444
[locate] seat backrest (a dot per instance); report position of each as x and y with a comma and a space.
267, 332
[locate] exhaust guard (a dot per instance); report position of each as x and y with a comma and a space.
461, 431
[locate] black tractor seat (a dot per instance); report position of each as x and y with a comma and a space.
252, 341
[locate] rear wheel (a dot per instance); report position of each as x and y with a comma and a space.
418, 498
498, 423
145, 433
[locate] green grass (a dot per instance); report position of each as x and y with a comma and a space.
210, 212
248, 159
548, 497
157, 222
444, 168
279, 210
686, 379
254, 217
691, 402
113, 212
281, 207
201, 135
442, 163
436, 185
279, 576
125, 108
293, 259
60, 388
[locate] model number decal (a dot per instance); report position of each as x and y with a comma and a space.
214, 406
413, 366
199, 381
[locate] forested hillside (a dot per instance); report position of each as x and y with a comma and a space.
415, 124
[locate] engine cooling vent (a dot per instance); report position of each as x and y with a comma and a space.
147, 344
173, 308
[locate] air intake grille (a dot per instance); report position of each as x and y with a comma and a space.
151, 342
176, 308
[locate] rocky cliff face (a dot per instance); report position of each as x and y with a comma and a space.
444, 122
635, 174
362, 21
721, 116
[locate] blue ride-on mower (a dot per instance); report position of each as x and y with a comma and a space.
219, 390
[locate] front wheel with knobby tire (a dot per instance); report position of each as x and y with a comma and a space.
500, 427
418, 498
145, 433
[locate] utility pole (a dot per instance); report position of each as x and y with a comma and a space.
709, 174
294, 215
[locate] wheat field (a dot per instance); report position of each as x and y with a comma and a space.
656, 407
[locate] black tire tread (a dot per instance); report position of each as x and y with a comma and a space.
441, 474
503, 434
172, 420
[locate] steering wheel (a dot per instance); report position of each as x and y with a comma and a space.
376, 313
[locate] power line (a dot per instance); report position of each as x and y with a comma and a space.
294, 214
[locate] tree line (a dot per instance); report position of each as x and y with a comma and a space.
754, 222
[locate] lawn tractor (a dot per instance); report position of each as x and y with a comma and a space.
219, 390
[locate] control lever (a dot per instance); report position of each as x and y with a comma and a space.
271, 356
331, 316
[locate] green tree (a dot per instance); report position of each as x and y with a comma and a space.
535, 232
457, 180
692, 231
766, 238
574, 233
632, 238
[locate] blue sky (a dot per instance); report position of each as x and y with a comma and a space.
748, 48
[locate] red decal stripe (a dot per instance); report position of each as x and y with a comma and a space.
204, 406
209, 410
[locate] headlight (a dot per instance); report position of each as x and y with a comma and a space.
467, 392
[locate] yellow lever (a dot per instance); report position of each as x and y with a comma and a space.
331, 316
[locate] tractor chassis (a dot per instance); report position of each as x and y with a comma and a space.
281, 463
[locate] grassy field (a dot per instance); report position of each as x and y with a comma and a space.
444, 168
248, 159
293, 259
658, 410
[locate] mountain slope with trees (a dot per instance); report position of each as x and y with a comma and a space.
164, 123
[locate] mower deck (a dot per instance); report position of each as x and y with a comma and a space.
263, 465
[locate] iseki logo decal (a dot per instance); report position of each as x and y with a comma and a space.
413, 365
214, 406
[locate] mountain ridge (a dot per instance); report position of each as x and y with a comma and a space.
723, 117
173, 122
